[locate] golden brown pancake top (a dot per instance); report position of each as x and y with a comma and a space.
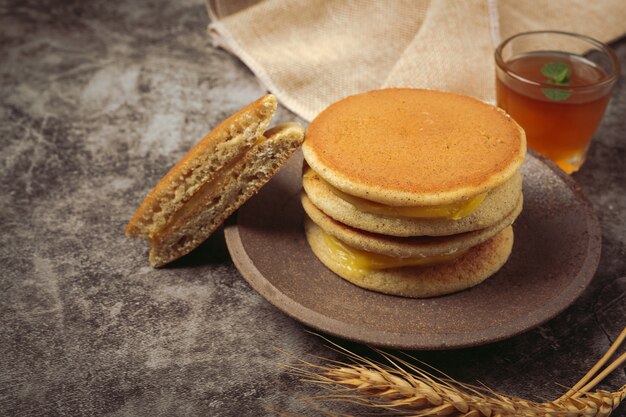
413, 141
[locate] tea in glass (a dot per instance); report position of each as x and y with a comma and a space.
556, 85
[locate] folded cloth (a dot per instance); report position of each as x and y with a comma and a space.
310, 53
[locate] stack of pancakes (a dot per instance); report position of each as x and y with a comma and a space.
412, 192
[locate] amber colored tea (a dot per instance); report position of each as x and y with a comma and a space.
559, 121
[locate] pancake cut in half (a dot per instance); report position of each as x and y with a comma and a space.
212, 180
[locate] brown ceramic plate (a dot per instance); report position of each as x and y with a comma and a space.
556, 252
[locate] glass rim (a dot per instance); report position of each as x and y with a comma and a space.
610, 78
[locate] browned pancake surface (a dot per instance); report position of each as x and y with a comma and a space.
387, 145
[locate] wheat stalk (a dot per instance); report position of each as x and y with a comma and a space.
403, 389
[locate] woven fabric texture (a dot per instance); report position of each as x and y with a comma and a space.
310, 53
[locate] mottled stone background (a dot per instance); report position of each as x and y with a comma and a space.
97, 100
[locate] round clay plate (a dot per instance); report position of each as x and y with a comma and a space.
556, 252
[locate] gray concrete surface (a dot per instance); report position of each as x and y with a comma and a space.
97, 100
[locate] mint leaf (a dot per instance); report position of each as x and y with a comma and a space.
556, 71
556, 95
558, 74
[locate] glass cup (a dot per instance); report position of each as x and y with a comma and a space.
556, 85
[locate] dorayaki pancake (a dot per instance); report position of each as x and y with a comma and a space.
212, 180
404, 247
414, 147
467, 270
498, 204
200, 216
225, 143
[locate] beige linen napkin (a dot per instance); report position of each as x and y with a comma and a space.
310, 53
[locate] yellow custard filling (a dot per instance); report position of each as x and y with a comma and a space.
454, 211
206, 192
363, 261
